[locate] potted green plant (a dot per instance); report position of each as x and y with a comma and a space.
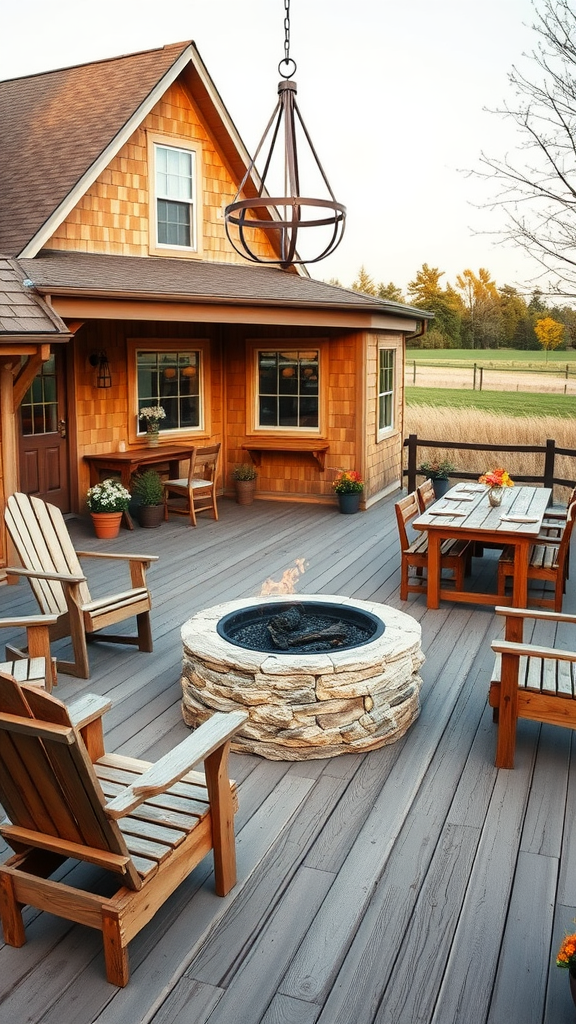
148, 489
348, 486
438, 471
107, 501
244, 476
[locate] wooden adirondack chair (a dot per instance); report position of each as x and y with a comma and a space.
530, 681
51, 565
38, 667
66, 798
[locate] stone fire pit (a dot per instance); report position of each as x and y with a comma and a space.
304, 706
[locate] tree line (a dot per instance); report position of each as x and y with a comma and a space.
475, 313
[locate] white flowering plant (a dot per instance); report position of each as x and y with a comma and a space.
108, 496
152, 413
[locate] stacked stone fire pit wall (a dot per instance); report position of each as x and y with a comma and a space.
305, 706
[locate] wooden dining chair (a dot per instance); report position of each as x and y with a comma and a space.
196, 492
548, 564
529, 681
52, 567
146, 825
555, 518
454, 554
426, 494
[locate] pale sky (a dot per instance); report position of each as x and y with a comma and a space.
392, 94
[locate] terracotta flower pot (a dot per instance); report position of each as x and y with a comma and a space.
106, 524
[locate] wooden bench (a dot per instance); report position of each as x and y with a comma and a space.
315, 447
529, 681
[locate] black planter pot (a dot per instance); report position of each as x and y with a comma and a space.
349, 503
150, 516
440, 487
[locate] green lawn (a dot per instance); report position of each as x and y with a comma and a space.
501, 358
513, 403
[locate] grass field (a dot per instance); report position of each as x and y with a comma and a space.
509, 403
495, 358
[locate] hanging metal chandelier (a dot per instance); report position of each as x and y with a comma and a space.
284, 218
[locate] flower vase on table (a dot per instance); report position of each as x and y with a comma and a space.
152, 414
153, 434
497, 480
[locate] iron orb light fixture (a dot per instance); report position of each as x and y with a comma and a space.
284, 218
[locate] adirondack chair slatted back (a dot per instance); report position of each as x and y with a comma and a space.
40, 536
47, 782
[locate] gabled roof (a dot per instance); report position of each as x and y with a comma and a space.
23, 313
60, 129
164, 279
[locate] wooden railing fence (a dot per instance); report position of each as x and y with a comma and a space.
550, 451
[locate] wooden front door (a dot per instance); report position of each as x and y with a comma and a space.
43, 444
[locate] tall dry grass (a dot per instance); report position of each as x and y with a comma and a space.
477, 427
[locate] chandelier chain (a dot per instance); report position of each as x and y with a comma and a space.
287, 31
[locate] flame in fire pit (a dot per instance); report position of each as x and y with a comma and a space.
286, 585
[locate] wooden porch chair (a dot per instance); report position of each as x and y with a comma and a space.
38, 667
455, 554
555, 518
529, 681
198, 489
548, 563
66, 798
426, 494
51, 565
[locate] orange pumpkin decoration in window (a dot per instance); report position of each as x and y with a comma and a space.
169, 373
288, 371
188, 371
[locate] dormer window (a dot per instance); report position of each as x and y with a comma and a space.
175, 214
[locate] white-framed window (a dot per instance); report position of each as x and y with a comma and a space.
175, 213
175, 197
174, 380
288, 389
386, 375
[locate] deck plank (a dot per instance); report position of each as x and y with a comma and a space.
351, 869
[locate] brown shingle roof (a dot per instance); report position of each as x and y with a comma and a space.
195, 280
55, 125
22, 312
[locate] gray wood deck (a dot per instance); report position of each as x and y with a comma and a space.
412, 884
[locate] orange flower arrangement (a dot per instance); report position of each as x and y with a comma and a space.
567, 953
496, 478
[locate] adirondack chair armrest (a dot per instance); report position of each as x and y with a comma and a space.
532, 650
25, 621
534, 613
86, 715
126, 558
86, 709
178, 762
61, 577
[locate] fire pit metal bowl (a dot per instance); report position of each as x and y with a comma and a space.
312, 703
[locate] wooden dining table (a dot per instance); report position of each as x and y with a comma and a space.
464, 513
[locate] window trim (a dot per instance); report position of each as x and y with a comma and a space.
257, 345
201, 345
156, 248
386, 431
